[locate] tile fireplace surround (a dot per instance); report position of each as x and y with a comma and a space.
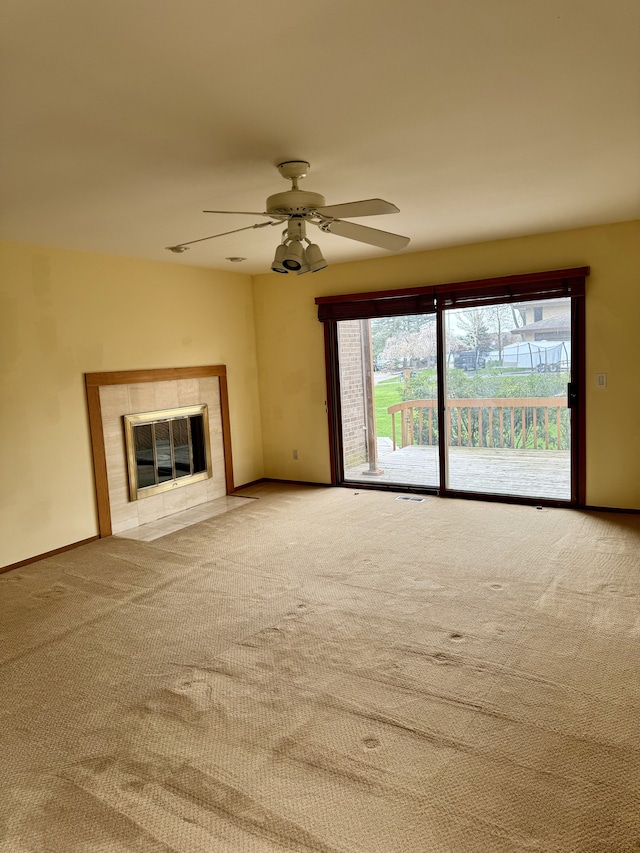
121, 398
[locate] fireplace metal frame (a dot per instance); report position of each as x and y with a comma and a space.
137, 492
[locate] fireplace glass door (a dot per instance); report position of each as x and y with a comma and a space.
166, 449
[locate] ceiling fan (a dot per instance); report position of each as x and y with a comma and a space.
295, 208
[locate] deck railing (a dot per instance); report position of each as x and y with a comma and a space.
516, 422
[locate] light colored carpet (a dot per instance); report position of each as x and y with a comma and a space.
328, 670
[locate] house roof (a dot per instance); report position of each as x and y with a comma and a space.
123, 121
558, 323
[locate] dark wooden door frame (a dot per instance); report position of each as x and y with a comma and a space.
334, 402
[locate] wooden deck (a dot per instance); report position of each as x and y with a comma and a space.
502, 471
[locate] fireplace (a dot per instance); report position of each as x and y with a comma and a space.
161, 442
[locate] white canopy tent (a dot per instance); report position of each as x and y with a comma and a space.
542, 356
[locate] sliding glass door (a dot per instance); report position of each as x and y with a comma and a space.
389, 400
508, 424
471, 388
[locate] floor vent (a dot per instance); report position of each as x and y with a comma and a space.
409, 498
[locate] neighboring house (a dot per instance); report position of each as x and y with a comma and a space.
544, 321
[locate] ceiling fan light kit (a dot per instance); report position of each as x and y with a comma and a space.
314, 258
296, 207
277, 265
294, 256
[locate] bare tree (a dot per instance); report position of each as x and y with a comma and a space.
474, 324
499, 319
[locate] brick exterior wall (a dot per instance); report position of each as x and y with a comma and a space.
354, 436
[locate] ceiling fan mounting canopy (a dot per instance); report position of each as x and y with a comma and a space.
293, 169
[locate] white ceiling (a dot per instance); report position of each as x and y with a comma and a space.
480, 119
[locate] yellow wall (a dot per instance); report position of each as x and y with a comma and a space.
291, 351
65, 313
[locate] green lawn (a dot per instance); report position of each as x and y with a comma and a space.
386, 394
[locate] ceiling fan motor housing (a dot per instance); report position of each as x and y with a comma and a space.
294, 202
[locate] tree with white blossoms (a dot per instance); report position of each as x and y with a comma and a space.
384, 328
407, 346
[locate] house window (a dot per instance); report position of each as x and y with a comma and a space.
166, 449
537, 314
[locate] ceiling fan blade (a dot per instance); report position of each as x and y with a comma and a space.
241, 212
182, 247
372, 236
368, 207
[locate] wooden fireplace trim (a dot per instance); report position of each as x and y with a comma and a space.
93, 383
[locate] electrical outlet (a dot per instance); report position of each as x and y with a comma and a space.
601, 380
295, 454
